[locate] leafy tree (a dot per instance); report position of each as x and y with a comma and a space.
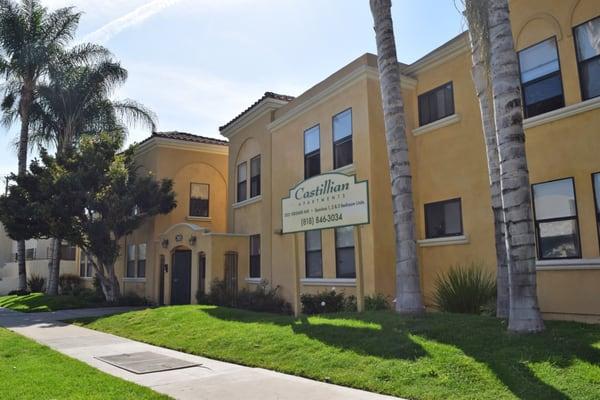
30, 38
92, 196
74, 101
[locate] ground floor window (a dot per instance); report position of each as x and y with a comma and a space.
130, 269
596, 184
86, 269
313, 254
141, 261
255, 256
344, 252
555, 213
443, 218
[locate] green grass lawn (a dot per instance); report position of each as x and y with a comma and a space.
32, 371
438, 356
39, 302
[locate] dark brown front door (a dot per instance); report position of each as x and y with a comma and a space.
181, 277
231, 275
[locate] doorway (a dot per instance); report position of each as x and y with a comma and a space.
181, 277
231, 275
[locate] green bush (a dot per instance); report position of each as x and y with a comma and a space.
264, 298
133, 300
36, 283
377, 302
465, 289
70, 284
327, 302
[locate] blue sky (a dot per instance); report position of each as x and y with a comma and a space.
198, 63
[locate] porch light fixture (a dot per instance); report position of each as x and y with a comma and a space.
165, 243
192, 240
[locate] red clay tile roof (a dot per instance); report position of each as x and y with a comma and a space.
187, 137
269, 95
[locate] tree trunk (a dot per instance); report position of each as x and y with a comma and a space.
24, 112
480, 71
524, 313
110, 284
408, 285
54, 267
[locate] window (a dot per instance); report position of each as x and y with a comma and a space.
596, 184
313, 254
342, 139
85, 266
443, 218
30, 254
130, 272
67, 252
344, 252
255, 177
312, 151
587, 43
255, 256
555, 212
436, 104
141, 261
540, 78
199, 199
241, 181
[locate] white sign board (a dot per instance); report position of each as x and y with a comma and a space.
325, 201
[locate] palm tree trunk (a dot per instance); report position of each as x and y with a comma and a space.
24, 111
479, 39
54, 267
524, 313
408, 284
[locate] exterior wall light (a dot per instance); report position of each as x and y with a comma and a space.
192, 240
165, 243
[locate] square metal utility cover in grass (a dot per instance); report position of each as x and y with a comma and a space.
146, 362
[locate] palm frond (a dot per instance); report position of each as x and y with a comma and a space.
135, 114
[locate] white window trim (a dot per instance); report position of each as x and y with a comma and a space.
444, 241
346, 169
192, 218
440, 123
342, 282
561, 113
131, 279
254, 281
567, 264
246, 202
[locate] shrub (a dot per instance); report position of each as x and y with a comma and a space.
70, 284
465, 289
377, 302
264, 298
327, 302
19, 293
133, 300
36, 283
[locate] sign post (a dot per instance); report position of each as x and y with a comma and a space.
324, 201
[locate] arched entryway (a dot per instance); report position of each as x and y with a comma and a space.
181, 277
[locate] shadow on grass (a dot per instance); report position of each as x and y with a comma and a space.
485, 339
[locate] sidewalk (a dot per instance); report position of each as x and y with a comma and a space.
212, 380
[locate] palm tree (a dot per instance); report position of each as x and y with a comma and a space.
476, 13
524, 313
408, 285
30, 37
75, 102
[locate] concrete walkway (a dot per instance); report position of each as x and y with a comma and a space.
212, 380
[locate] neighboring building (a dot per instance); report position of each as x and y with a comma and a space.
37, 255
337, 125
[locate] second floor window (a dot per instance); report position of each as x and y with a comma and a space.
443, 218
540, 78
587, 43
255, 177
242, 177
312, 151
255, 256
130, 268
555, 213
342, 139
436, 104
141, 261
313, 254
199, 199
